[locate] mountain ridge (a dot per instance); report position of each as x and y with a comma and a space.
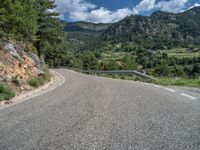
158, 31
161, 30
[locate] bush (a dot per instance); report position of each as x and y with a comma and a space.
34, 82
38, 81
5, 92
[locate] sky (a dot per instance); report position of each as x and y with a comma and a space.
109, 11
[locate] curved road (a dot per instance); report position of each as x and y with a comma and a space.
88, 113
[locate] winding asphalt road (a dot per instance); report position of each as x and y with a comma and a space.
94, 113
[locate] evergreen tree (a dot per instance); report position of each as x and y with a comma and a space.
18, 19
29, 24
10, 17
49, 32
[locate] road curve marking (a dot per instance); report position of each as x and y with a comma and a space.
164, 88
168, 89
158, 86
188, 96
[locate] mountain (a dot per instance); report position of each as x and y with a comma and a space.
81, 34
85, 26
161, 30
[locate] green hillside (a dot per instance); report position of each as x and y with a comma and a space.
161, 30
81, 35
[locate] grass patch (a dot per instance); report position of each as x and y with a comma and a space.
6, 93
178, 82
112, 55
181, 53
183, 82
38, 81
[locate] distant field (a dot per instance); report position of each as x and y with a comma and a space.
110, 55
181, 53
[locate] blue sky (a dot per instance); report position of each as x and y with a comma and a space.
107, 11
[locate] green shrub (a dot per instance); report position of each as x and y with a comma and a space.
5, 92
34, 82
38, 81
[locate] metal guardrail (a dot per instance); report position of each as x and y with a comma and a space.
118, 72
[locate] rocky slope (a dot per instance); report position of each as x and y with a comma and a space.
18, 66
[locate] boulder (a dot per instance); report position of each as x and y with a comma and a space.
40, 63
35, 58
10, 47
20, 49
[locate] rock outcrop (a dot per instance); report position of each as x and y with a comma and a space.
18, 66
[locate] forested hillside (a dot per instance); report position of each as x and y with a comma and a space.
161, 30
85, 26
83, 36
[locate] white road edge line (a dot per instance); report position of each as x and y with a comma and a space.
164, 88
146, 83
28, 97
168, 89
188, 96
158, 86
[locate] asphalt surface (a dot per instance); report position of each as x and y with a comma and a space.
94, 113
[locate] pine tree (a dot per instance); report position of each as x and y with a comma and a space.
17, 19
10, 19
50, 30
29, 16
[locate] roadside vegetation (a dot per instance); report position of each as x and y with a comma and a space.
168, 69
38, 30
6, 93
184, 82
39, 81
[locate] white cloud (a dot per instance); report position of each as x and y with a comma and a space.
77, 9
195, 5
82, 10
172, 5
144, 5
104, 15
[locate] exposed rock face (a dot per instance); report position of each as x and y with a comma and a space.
40, 64
15, 64
10, 47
